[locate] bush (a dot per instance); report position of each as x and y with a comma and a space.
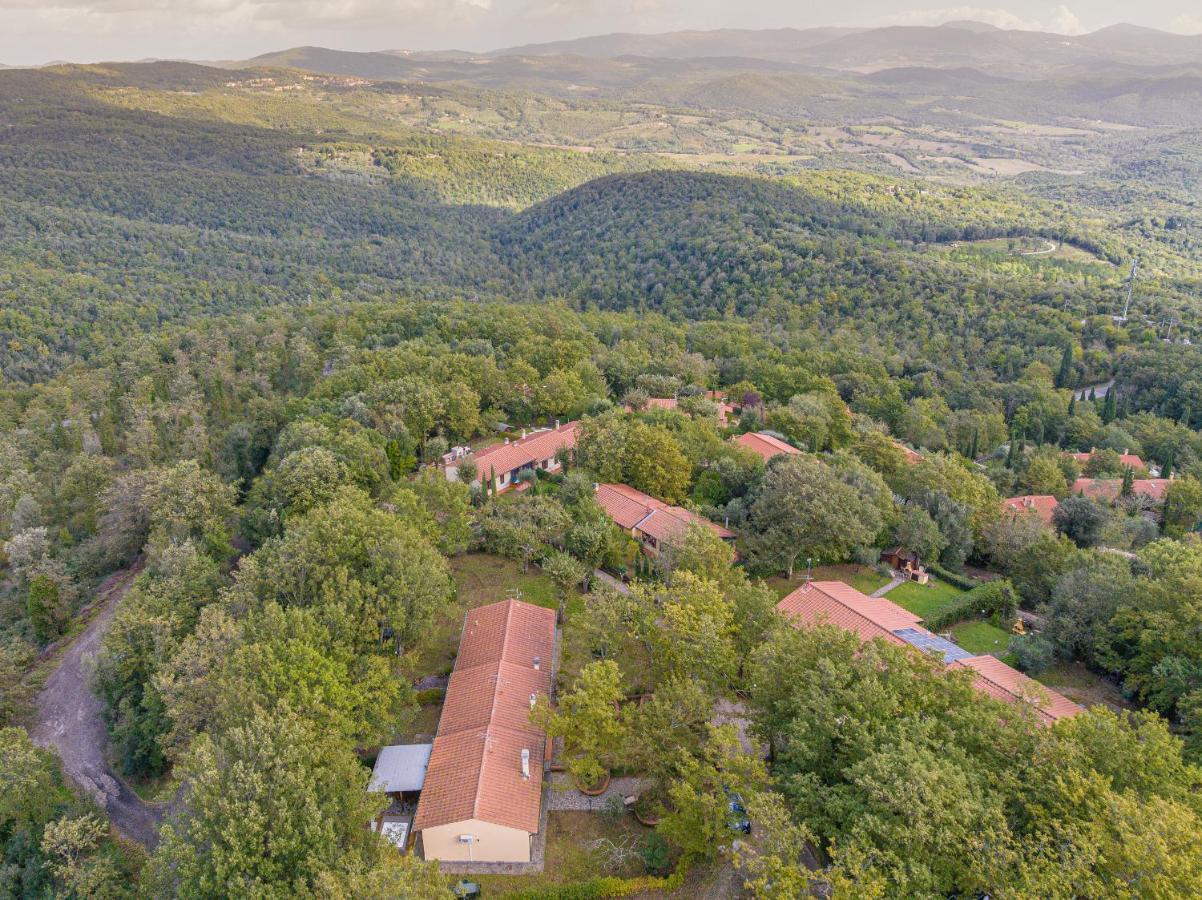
1033, 653
995, 600
655, 853
963, 582
431, 695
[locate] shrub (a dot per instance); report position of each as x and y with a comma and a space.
431, 695
995, 600
655, 853
1033, 653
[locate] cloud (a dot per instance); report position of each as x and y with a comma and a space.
1187, 24
185, 13
1060, 19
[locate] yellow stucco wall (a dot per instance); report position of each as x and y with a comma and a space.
493, 843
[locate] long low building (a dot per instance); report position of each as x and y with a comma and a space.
651, 522
871, 618
482, 797
505, 463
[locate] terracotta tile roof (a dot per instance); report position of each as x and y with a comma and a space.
765, 445
1130, 460
631, 508
1109, 489
1042, 505
995, 678
868, 617
719, 400
502, 458
814, 603
475, 766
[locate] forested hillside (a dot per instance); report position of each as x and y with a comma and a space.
249, 318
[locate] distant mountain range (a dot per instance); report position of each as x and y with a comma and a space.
1015, 54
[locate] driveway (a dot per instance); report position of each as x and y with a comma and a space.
70, 720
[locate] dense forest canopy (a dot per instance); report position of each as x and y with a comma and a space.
246, 313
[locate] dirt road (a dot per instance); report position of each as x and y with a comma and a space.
69, 720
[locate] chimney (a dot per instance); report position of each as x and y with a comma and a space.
537, 663
506, 440
523, 434
557, 423
525, 763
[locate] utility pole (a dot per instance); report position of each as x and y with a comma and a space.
1130, 288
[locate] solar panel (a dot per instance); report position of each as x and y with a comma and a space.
932, 643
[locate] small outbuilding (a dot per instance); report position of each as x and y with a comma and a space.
401, 769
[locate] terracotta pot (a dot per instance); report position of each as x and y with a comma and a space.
595, 791
650, 822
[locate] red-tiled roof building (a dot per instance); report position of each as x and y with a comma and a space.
876, 618
651, 522
766, 445
1130, 460
482, 798
504, 463
1042, 506
1108, 490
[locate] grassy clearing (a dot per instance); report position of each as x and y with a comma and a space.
980, 638
569, 858
925, 600
865, 579
1085, 687
481, 578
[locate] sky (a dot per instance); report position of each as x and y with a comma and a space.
38, 31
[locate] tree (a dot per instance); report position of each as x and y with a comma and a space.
1081, 519
45, 608
673, 720
646, 457
449, 506
698, 818
1083, 601
1183, 505
272, 809
1065, 377
370, 576
15, 689
524, 528
1043, 475
918, 533
566, 571
184, 502
693, 634
805, 510
588, 721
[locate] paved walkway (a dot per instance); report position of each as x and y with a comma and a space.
70, 720
565, 796
897, 581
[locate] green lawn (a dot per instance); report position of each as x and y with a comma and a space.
865, 579
980, 638
925, 600
481, 578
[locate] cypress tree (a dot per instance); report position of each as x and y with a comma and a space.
1065, 376
1109, 408
1128, 482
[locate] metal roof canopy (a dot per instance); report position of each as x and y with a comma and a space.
401, 767
931, 643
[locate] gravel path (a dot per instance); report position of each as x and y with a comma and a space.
69, 720
565, 796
